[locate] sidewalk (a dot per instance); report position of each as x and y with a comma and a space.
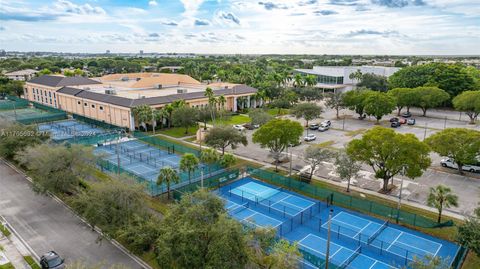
14, 250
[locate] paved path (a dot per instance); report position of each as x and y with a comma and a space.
46, 224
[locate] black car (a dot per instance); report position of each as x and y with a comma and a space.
394, 119
395, 124
406, 114
51, 260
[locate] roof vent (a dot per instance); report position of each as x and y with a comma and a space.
124, 78
158, 86
181, 90
226, 87
110, 91
86, 88
138, 79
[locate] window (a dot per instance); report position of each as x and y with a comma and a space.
49, 94
54, 95
78, 102
101, 107
93, 106
85, 104
50, 100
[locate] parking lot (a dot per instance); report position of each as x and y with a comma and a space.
348, 127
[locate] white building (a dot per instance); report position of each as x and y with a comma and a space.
22, 75
337, 78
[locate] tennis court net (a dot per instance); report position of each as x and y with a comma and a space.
351, 258
238, 208
372, 238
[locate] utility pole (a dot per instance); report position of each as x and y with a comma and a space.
343, 124
327, 254
118, 153
400, 195
291, 159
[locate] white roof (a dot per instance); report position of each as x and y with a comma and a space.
22, 72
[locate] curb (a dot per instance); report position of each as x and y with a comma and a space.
96, 229
20, 238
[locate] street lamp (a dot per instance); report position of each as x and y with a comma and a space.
399, 204
327, 253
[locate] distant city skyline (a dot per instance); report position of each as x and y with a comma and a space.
348, 27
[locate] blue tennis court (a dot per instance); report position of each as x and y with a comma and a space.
357, 241
70, 130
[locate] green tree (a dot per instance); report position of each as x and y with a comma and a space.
429, 262
469, 233
15, 137
314, 155
111, 205
56, 168
379, 104
346, 167
227, 160
13, 87
167, 176
204, 115
258, 116
430, 97
143, 114
189, 163
185, 117
373, 82
198, 226
404, 97
209, 156
460, 144
441, 197
170, 108
212, 102
335, 101
468, 101
388, 153
223, 136
307, 111
276, 135
355, 100
141, 233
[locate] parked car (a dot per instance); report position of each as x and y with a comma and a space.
411, 121
310, 137
326, 123
238, 127
250, 126
406, 114
447, 162
295, 144
394, 119
313, 126
51, 260
402, 121
395, 124
323, 128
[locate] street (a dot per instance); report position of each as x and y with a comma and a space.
46, 225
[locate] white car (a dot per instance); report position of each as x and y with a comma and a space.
326, 123
323, 128
238, 127
467, 167
310, 137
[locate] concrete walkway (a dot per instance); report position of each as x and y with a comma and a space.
14, 251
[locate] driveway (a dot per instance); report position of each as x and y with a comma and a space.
45, 224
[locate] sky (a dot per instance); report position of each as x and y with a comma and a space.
391, 27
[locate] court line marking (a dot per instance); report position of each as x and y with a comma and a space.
373, 265
410, 234
393, 242
354, 217
358, 227
246, 219
426, 251
359, 232
280, 201
333, 220
321, 253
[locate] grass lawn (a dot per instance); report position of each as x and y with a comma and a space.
471, 261
236, 119
7, 266
177, 132
4, 230
31, 262
274, 111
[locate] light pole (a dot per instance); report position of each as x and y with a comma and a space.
327, 253
425, 132
290, 172
399, 204
343, 122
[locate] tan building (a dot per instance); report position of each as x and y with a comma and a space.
22, 75
111, 98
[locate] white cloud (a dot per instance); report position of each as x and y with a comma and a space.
70, 7
191, 6
153, 3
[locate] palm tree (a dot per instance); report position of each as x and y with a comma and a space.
158, 115
211, 101
171, 107
143, 114
189, 163
209, 156
298, 80
441, 197
310, 80
168, 175
222, 100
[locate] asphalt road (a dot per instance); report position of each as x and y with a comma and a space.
45, 224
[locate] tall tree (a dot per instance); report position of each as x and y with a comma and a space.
56, 168
167, 176
143, 114
404, 97
441, 197
227, 160
223, 136
346, 168
11, 143
379, 104
307, 111
355, 100
258, 116
185, 117
212, 101
189, 163
314, 155
469, 232
373, 82
209, 156
198, 226
276, 135
460, 144
335, 101
468, 101
388, 153
430, 97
